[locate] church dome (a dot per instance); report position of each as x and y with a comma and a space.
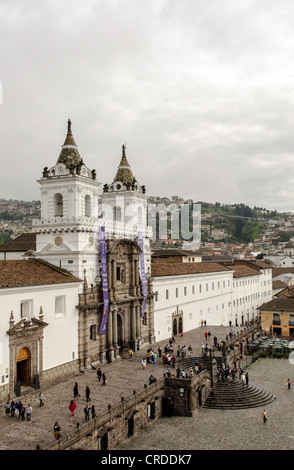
69, 154
124, 173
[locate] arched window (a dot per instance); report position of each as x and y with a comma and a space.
117, 214
88, 206
58, 205
140, 215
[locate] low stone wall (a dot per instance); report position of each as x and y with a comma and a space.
60, 372
4, 393
188, 394
110, 430
167, 397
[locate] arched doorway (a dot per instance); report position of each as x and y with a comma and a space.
104, 442
120, 336
175, 327
180, 325
23, 366
131, 425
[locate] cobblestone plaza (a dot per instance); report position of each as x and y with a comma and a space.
207, 430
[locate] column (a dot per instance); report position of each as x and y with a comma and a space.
138, 324
115, 335
133, 325
109, 275
110, 335
114, 278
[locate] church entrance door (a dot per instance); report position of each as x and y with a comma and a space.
23, 366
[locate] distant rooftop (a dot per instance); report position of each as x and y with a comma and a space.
24, 242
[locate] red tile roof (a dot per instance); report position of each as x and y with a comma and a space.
24, 242
279, 304
175, 269
242, 270
32, 272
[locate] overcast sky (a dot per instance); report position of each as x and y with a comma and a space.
201, 92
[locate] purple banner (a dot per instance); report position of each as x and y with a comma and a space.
104, 275
142, 272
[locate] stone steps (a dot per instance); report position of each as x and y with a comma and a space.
235, 395
188, 362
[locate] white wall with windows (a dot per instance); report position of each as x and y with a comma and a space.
217, 297
205, 296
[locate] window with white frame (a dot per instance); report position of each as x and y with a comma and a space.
60, 306
26, 308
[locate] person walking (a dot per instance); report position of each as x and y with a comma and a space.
103, 379
99, 374
88, 394
87, 412
72, 407
22, 412
264, 416
76, 391
29, 412
7, 409
16, 412
41, 399
143, 364
12, 408
56, 429
93, 412
131, 353
289, 384
247, 378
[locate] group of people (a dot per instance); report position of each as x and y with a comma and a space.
168, 355
17, 409
230, 373
192, 371
87, 410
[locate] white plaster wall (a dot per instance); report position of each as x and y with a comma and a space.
61, 334
210, 302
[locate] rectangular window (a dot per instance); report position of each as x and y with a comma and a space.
177, 292
185, 290
60, 306
193, 289
93, 332
166, 294
26, 308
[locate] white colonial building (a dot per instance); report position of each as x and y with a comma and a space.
53, 300
38, 323
185, 294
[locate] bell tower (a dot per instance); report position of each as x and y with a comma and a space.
67, 229
124, 209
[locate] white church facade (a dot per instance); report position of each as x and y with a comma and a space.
55, 303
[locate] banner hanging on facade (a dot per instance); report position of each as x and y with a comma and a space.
104, 275
142, 272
